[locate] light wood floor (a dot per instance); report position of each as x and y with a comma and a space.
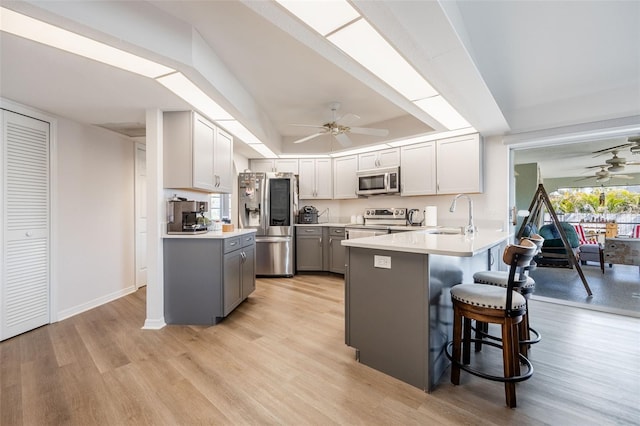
280, 358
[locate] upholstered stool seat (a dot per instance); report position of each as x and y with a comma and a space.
488, 304
500, 279
490, 297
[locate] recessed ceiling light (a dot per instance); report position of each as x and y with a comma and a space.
184, 88
364, 44
50, 35
323, 16
445, 114
238, 130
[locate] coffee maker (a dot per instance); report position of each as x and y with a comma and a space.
186, 217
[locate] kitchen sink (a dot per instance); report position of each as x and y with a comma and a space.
446, 231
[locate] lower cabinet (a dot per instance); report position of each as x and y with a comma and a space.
319, 248
309, 248
336, 251
205, 279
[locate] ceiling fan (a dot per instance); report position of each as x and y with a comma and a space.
616, 164
604, 175
339, 128
633, 143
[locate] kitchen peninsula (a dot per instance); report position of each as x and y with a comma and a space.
398, 312
206, 276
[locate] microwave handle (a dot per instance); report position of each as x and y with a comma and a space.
387, 180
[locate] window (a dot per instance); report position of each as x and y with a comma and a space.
220, 207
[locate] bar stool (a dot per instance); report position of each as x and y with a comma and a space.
494, 305
500, 279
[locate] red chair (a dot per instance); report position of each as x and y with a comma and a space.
636, 232
590, 250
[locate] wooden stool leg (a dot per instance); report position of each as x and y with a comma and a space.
524, 333
480, 328
507, 359
466, 342
457, 343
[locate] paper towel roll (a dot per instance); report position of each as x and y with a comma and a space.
431, 216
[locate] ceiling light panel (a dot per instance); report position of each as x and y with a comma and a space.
263, 150
239, 131
364, 44
184, 88
50, 35
323, 16
443, 112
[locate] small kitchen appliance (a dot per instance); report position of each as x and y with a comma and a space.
187, 217
414, 217
308, 215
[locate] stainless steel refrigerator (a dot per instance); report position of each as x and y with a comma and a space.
267, 202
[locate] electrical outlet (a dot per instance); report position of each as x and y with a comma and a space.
382, 262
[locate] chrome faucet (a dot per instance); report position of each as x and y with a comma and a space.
470, 228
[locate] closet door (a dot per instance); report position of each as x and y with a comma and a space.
25, 224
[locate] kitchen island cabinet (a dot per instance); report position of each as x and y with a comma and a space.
398, 312
207, 276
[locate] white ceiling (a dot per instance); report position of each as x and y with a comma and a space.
508, 67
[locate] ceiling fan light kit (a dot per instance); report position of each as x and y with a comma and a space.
339, 129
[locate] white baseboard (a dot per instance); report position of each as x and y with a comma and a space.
154, 324
64, 314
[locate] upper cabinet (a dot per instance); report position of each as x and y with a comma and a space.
315, 178
281, 165
418, 169
383, 158
197, 154
459, 165
344, 177
447, 166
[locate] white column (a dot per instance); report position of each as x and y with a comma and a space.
155, 213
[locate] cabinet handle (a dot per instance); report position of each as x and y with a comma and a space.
232, 244
330, 240
320, 240
308, 230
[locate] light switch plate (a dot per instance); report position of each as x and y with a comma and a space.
382, 262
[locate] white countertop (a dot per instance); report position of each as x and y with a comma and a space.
336, 224
425, 242
213, 234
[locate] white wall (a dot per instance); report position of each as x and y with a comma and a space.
94, 248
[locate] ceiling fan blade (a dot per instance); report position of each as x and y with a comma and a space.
622, 176
607, 150
347, 119
315, 126
369, 131
306, 138
343, 139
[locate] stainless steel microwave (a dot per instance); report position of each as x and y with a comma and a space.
379, 181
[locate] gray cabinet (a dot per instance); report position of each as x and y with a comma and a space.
336, 250
318, 248
309, 248
206, 278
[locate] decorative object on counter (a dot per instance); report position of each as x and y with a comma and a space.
470, 228
495, 305
227, 227
501, 279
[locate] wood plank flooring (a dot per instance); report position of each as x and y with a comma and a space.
280, 359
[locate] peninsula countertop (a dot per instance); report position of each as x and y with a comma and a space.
428, 241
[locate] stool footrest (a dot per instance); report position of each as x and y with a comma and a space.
484, 334
520, 378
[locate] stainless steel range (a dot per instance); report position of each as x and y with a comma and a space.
377, 221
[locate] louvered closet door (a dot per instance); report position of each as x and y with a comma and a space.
25, 270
